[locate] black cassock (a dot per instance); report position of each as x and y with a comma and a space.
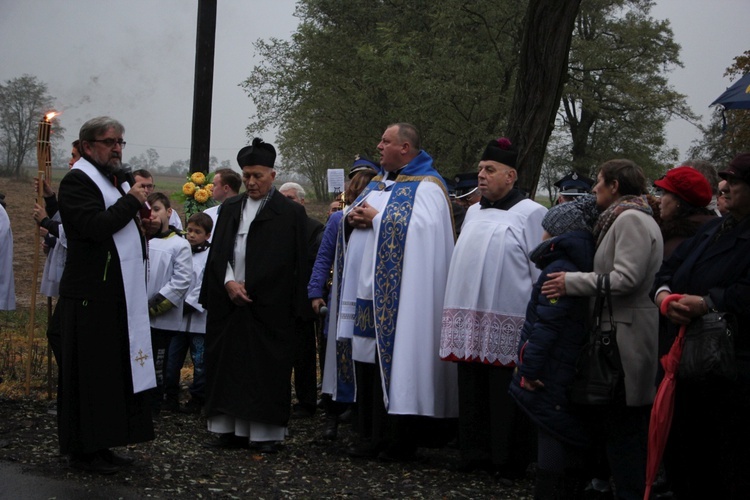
249, 349
97, 407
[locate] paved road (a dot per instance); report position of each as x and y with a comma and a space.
16, 484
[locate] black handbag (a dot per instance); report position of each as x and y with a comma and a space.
708, 351
599, 378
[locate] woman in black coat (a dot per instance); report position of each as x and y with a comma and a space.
707, 451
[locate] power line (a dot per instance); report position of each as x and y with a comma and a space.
176, 147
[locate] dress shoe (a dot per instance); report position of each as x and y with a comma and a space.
300, 411
115, 458
397, 455
95, 464
227, 442
170, 404
512, 472
471, 465
347, 416
265, 447
363, 451
331, 429
192, 407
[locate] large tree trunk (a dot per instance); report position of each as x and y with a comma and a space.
548, 31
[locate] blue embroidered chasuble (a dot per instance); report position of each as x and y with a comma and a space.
378, 317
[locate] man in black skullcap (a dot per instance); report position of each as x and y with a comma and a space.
488, 289
253, 290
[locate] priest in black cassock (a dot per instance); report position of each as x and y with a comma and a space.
107, 364
253, 289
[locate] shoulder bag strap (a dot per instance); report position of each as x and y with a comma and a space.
598, 306
612, 331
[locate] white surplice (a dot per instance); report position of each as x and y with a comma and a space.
7, 283
55, 264
170, 272
489, 284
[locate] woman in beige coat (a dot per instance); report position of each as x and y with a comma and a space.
629, 249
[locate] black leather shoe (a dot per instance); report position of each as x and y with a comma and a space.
115, 458
265, 447
347, 416
331, 429
300, 411
362, 451
96, 464
192, 407
227, 442
397, 457
471, 465
171, 405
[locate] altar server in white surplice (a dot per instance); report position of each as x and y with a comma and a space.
395, 270
7, 282
489, 286
170, 272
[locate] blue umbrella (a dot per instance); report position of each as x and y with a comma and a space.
737, 96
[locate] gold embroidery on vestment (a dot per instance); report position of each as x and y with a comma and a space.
141, 358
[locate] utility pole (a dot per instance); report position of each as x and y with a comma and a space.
200, 144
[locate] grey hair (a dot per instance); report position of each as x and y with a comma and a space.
99, 126
297, 189
708, 170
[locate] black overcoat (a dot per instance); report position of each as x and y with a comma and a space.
250, 349
706, 455
720, 269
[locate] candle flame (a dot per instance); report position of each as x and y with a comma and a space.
50, 115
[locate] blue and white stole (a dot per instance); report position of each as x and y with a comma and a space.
345, 384
378, 317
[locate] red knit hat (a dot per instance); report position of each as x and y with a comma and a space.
688, 184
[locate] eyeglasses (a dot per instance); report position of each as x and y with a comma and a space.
110, 143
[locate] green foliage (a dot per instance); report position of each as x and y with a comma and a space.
449, 67
617, 100
23, 103
353, 67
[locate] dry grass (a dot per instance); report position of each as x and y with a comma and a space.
14, 356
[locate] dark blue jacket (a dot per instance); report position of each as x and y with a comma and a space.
551, 340
316, 287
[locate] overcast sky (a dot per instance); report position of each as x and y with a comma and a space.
134, 60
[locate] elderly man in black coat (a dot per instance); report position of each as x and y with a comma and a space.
253, 290
305, 372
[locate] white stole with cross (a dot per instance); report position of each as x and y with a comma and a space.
128, 243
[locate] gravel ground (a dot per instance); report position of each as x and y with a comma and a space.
175, 465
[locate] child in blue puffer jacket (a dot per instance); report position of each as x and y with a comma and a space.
551, 341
